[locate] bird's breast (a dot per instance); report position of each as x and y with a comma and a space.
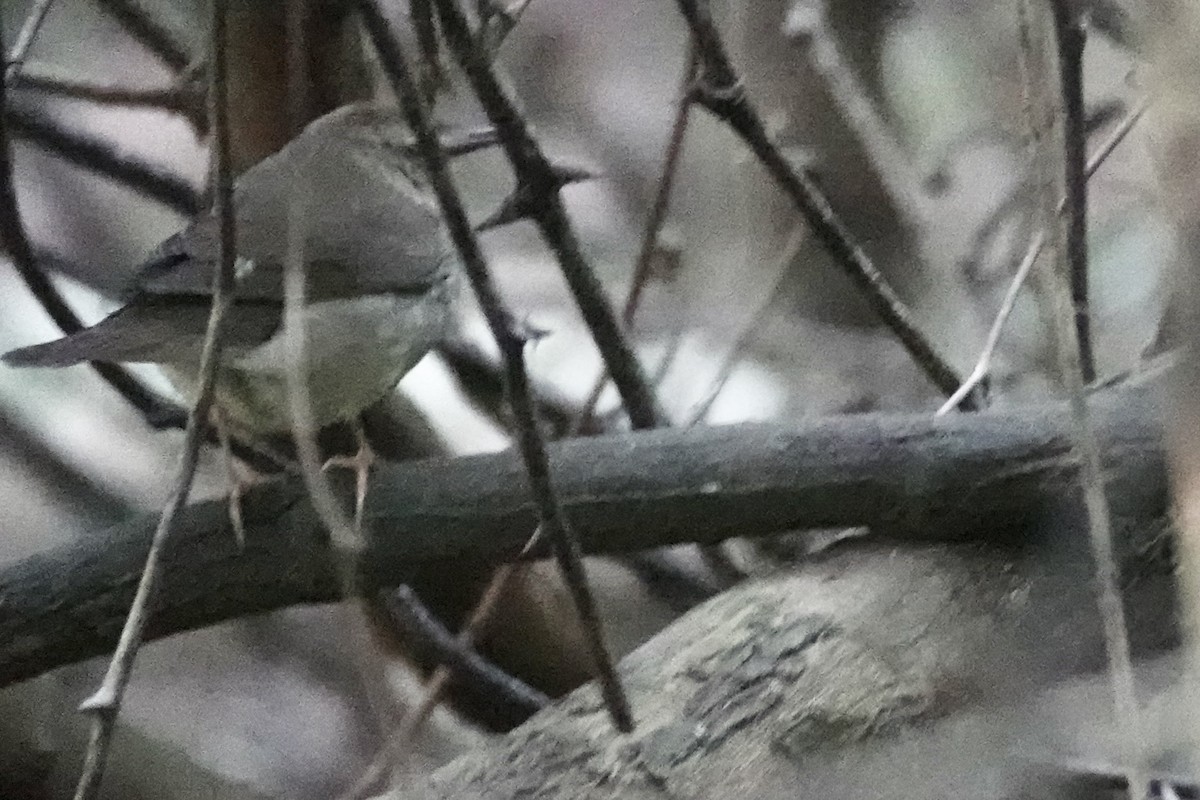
356, 351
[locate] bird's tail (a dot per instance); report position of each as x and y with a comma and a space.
63, 352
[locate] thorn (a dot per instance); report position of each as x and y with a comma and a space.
103, 701
524, 202
530, 333
721, 97
516, 206
465, 142
566, 174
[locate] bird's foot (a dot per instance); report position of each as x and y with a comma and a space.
361, 462
239, 476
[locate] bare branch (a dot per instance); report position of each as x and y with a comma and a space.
152, 33
57, 83
720, 90
1070, 36
456, 653
538, 179
29, 32
984, 364
105, 704
512, 343
104, 158
1078, 368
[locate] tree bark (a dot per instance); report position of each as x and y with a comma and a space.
994, 476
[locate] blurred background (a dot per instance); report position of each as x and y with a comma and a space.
909, 114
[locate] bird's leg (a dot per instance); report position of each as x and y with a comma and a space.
237, 483
361, 463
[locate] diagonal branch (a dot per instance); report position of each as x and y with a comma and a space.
104, 158
511, 342
721, 91
29, 31
151, 32
16, 241
539, 182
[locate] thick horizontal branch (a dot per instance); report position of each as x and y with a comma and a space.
985, 476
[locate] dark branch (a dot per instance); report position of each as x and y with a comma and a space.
511, 341
152, 33
1071, 38
186, 98
103, 158
986, 476
157, 411
411, 616
720, 90
540, 181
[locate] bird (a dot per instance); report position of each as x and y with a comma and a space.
381, 281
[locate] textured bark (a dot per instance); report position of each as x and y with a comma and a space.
879, 672
991, 476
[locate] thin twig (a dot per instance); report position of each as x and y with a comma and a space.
893, 166
1116, 137
1006, 306
497, 21
456, 654
533, 450
654, 222
1017, 198
29, 32
400, 739
720, 90
150, 32
157, 411
1075, 361
104, 158
1071, 37
105, 704
537, 196
733, 357
346, 535
1031, 255
56, 83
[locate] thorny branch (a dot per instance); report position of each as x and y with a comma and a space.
512, 343
105, 704
537, 196
720, 90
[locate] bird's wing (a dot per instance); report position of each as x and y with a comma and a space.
156, 331
184, 265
